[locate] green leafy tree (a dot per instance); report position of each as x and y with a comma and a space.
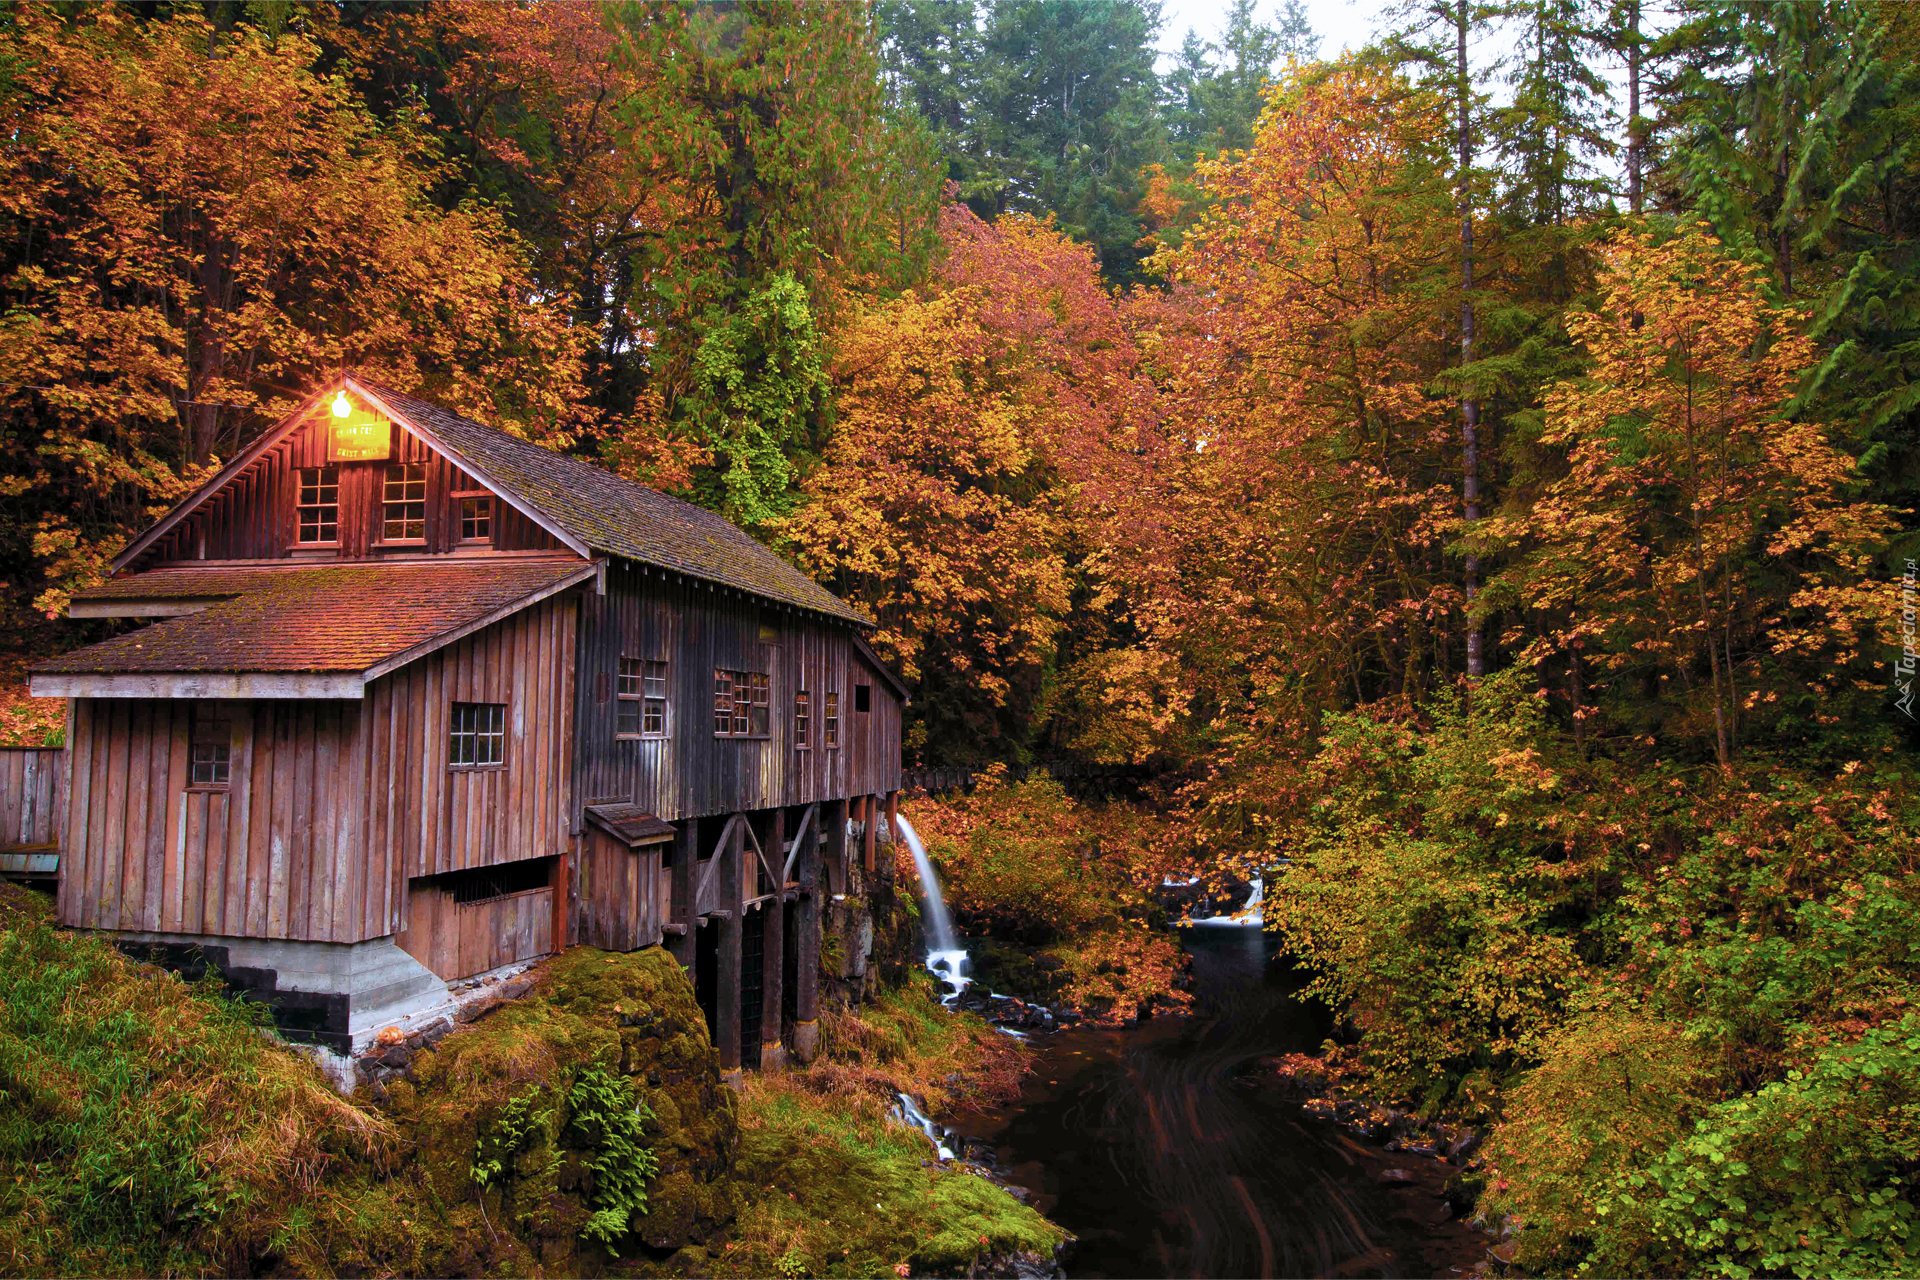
759, 399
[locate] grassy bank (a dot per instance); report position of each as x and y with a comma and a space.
840, 1188
152, 1127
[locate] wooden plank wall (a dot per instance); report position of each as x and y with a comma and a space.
254, 517
457, 939
620, 894
649, 614
31, 794
279, 853
427, 819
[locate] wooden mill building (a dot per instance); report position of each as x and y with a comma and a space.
419, 699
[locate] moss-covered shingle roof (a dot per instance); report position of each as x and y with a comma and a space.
612, 514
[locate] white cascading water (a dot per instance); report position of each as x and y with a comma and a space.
1248, 916
945, 956
913, 1115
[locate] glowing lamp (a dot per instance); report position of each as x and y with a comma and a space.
342, 407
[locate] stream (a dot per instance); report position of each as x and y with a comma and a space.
1168, 1151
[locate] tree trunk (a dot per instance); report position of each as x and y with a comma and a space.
1635, 140
1469, 407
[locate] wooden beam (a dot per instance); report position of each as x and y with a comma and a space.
729, 855
893, 817
761, 854
562, 901
793, 852
201, 684
807, 918
773, 965
870, 836
686, 850
713, 863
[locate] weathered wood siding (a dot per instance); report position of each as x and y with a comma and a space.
281, 852
31, 794
695, 628
331, 806
255, 516
456, 939
620, 895
428, 819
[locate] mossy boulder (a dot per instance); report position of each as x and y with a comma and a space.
487, 1109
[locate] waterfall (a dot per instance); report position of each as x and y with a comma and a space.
945, 956
913, 1115
1249, 916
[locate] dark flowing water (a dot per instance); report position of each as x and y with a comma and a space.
1169, 1152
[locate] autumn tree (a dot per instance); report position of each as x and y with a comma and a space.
1702, 540
981, 431
198, 225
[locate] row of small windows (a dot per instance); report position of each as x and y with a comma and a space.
403, 507
742, 705
477, 731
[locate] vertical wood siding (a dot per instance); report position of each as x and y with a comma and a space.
456, 939
428, 819
31, 794
331, 806
254, 517
277, 853
620, 894
690, 772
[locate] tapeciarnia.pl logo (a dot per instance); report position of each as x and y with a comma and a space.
1903, 669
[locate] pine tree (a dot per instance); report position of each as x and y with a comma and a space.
1068, 113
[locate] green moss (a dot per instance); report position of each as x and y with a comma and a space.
850, 1192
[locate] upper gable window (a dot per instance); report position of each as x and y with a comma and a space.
863, 697
740, 704
319, 506
476, 516
404, 511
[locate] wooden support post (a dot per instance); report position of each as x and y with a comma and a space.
686, 852
869, 805
563, 901
893, 817
726, 994
773, 963
806, 919
834, 875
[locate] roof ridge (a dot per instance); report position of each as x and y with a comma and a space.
589, 505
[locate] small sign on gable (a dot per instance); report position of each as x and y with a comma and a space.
362, 436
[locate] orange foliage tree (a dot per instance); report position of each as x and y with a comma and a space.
200, 224
1290, 546
981, 428
1701, 539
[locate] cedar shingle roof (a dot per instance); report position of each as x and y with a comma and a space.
330, 618
613, 514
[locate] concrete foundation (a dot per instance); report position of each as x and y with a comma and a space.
333, 994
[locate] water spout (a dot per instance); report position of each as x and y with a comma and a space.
945, 956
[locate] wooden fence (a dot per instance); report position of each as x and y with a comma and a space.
32, 795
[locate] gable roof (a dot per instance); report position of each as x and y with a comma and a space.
586, 507
340, 626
